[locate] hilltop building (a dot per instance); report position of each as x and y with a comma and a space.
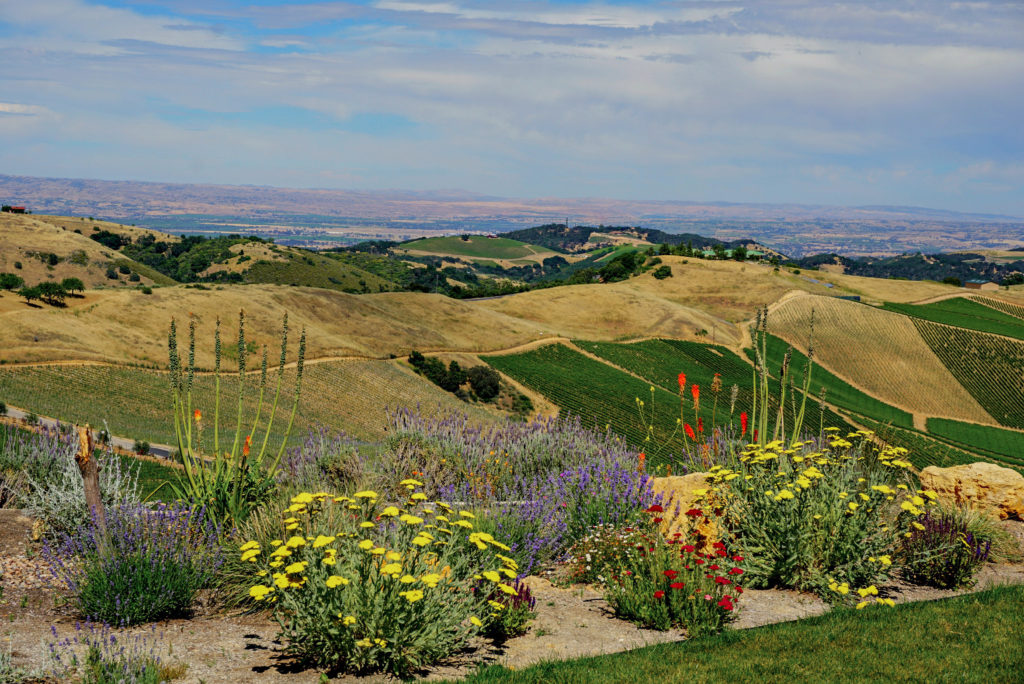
981, 285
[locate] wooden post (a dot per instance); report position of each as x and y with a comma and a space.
91, 478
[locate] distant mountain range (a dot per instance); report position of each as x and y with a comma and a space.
332, 214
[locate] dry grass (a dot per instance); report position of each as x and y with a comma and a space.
21, 234
877, 351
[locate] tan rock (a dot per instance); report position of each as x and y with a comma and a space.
983, 486
678, 497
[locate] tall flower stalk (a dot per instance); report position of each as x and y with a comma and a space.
762, 401
229, 483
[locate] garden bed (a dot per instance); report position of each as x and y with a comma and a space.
572, 622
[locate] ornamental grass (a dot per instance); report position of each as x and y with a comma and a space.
358, 584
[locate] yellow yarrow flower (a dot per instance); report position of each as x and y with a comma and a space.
408, 482
366, 545
367, 494
348, 620
295, 542
335, 581
250, 555
259, 592
302, 498
476, 621
410, 519
390, 511
249, 545
419, 496
412, 596
391, 569
321, 540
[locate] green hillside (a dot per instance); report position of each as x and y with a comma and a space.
308, 269
1002, 445
988, 366
964, 313
477, 246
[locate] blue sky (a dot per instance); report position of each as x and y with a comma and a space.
818, 102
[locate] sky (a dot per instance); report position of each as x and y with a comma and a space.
809, 101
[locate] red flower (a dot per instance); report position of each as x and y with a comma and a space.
694, 512
743, 423
700, 561
689, 548
671, 574
682, 381
718, 545
739, 590
700, 424
726, 604
658, 520
736, 571
715, 567
689, 432
755, 434
659, 594
677, 585
722, 580
737, 558
695, 391
655, 508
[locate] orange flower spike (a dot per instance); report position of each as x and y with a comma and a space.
682, 382
198, 415
695, 391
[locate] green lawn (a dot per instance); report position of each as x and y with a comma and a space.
964, 313
974, 638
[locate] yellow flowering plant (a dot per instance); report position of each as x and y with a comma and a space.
360, 584
820, 515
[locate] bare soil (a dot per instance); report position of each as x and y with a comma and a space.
217, 646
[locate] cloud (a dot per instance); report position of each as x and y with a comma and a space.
22, 109
738, 100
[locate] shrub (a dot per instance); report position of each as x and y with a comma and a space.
512, 612
124, 269
147, 566
662, 272
323, 461
141, 448
32, 418
360, 586
146, 290
111, 273
818, 515
942, 552
543, 484
57, 496
3, 409
27, 456
108, 658
675, 584
484, 381
606, 548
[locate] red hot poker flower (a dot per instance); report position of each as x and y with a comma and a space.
689, 432
695, 391
682, 381
700, 425
743, 423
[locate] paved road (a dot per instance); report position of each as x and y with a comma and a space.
158, 450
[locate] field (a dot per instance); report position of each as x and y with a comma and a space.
478, 246
964, 313
599, 394
989, 366
879, 352
347, 395
1000, 444
603, 395
1015, 310
837, 391
924, 450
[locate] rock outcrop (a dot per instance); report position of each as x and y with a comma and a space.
984, 487
678, 497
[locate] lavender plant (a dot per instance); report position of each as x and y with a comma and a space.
324, 460
942, 551
95, 654
53, 491
543, 484
25, 454
149, 565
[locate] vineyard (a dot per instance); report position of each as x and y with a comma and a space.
964, 313
989, 366
347, 395
603, 395
880, 352
838, 392
924, 451
1002, 445
1015, 310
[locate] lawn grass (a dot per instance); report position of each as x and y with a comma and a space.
964, 313
972, 638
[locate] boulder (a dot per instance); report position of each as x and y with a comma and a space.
677, 497
985, 487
